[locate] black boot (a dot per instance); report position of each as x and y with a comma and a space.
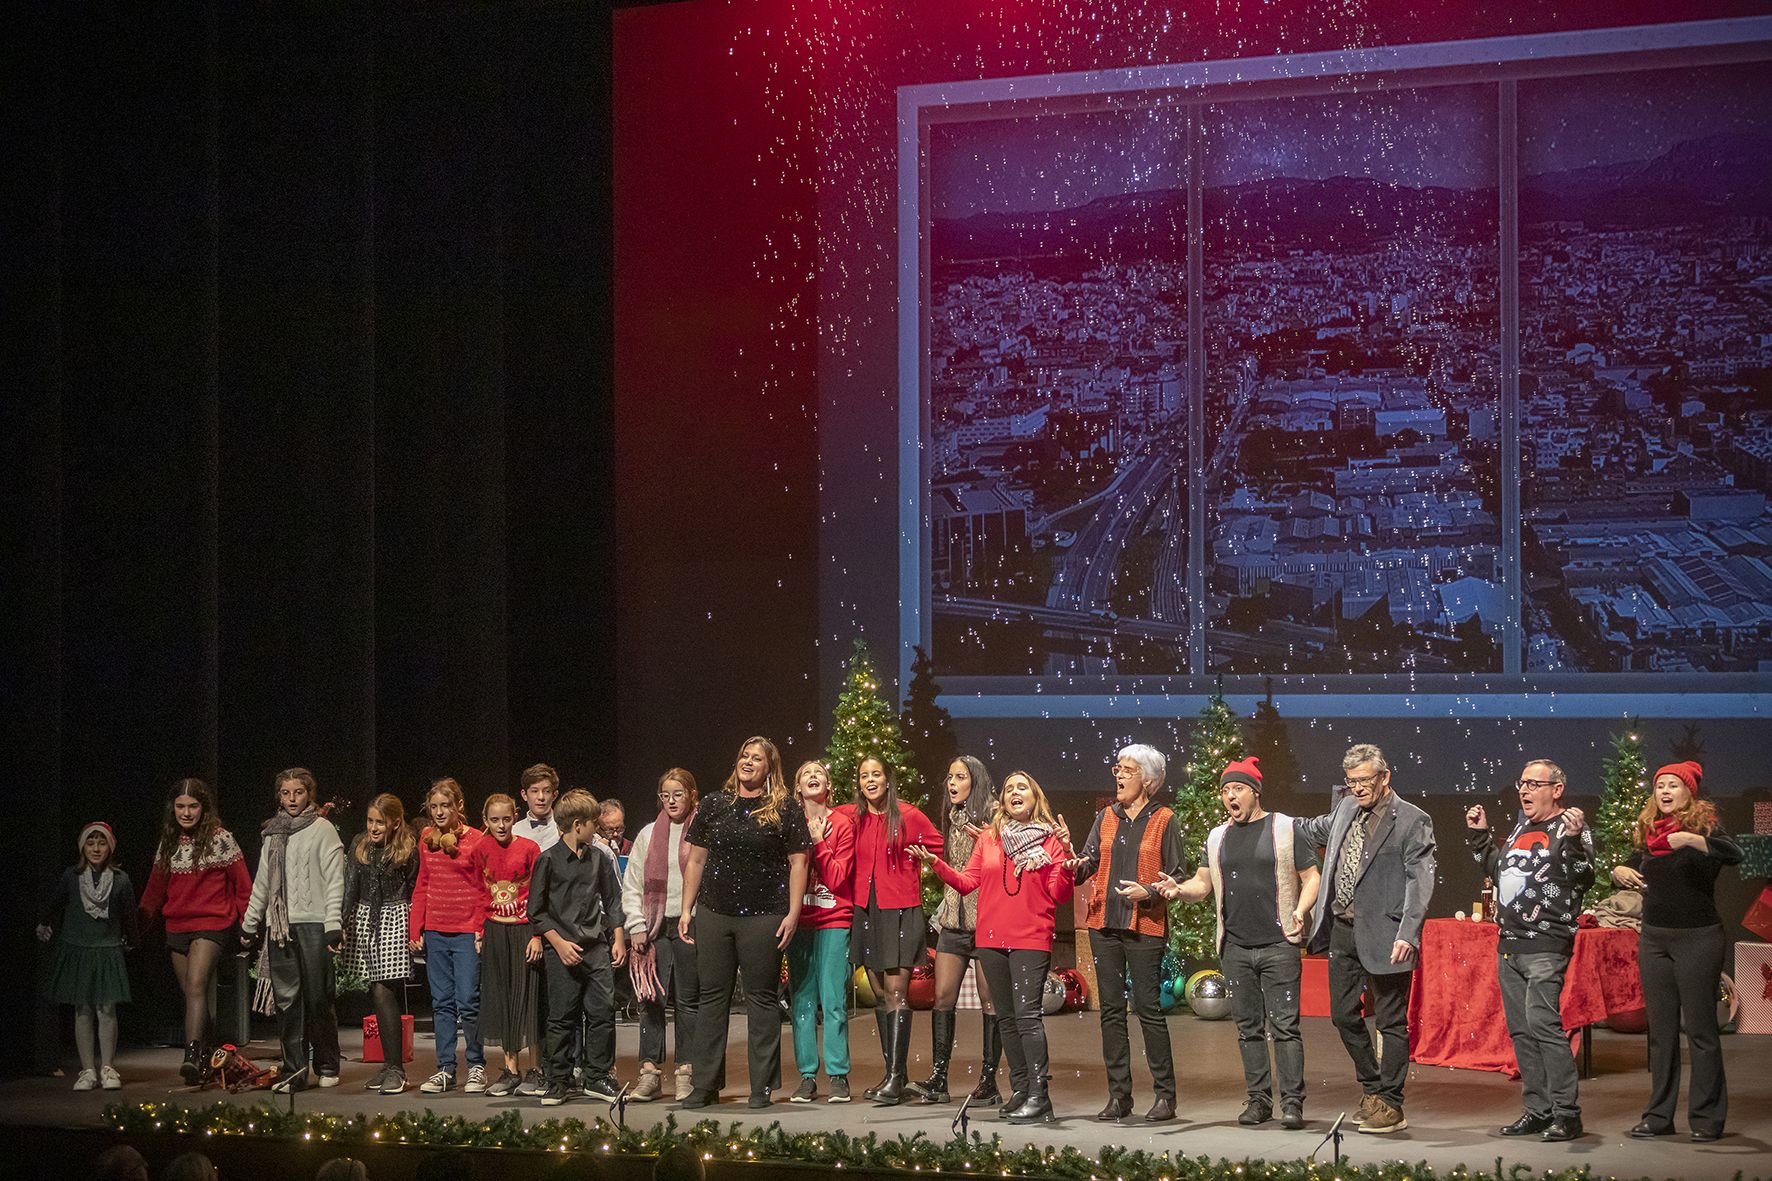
191, 1069
880, 1023
986, 1090
934, 1089
1038, 1107
897, 1084
1018, 1085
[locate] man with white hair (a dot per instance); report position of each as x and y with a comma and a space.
1378, 876
1129, 925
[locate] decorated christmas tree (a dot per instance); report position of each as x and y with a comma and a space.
927, 728
1625, 779
1216, 740
865, 725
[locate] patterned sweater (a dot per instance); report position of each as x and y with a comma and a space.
199, 893
1541, 874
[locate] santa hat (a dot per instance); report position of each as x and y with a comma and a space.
1688, 773
1242, 771
102, 828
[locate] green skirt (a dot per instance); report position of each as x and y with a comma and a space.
87, 975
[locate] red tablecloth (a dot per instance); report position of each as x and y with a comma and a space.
1455, 1015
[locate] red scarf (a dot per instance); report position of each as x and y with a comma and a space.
657, 878
1660, 829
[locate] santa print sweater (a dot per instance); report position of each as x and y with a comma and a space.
1017, 912
888, 873
450, 896
505, 871
207, 893
832, 871
1540, 874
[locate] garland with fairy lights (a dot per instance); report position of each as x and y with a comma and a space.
738, 1143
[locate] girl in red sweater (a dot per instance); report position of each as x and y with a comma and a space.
888, 934
510, 966
1018, 868
448, 912
199, 884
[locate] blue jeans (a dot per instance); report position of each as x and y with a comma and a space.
818, 974
452, 967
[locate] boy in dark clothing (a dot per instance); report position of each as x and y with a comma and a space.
575, 905
1541, 873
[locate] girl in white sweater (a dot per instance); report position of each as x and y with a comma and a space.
298, 901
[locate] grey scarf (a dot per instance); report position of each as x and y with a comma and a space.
277, 832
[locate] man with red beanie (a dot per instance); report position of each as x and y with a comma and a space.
1266, 882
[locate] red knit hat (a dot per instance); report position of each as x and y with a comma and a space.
1688, 773
1242, 771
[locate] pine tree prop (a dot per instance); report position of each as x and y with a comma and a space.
866, 726
1216, 740
1266, 738
927, 728
1625, 777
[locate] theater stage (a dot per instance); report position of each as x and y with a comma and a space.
1452, 1113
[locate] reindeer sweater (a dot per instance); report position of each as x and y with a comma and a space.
1541, 874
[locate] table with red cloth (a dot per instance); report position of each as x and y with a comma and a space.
1455, 1013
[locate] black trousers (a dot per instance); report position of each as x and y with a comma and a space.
1130, 966
1390, 1011
1265, 984
678, 979
303, 986
580, 997
1017, 980
1681, 967
726, 948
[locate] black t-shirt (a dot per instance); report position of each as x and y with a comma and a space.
747, 867
1251, 898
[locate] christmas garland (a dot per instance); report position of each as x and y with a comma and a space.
736, 1142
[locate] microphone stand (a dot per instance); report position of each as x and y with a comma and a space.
1335, 1135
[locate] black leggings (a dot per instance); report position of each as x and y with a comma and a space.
390, 1010
1017, 980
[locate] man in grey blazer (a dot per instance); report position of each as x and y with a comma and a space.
1378, 876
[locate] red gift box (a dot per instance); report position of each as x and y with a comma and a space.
372, 1039
1758, 918
1753, 985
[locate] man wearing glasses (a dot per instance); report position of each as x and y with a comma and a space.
1378, 876
1541, 872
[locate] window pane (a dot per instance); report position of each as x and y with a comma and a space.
1646, 338
1352, 384
1057, 338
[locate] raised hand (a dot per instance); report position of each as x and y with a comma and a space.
1475, 817
1573, 820
818, 826
921, 853
1168, 887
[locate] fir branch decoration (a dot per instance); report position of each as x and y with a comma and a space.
1625, 789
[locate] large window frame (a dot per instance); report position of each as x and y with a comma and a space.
1502, 62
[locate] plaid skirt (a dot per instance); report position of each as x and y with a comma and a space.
379, 954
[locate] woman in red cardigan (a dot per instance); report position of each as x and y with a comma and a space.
1018, 868
200, 884
887, 933
448, 915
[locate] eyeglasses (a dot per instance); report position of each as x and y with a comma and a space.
1368, 781
1535, 784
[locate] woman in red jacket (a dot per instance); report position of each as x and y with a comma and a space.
448, 914
200, 884
1018, 869
887, 933
818, 958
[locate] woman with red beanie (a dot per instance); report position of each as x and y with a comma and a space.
1681, 850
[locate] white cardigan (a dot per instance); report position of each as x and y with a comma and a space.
314, 871
633, 883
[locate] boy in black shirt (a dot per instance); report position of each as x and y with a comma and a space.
1541, 873
575, 905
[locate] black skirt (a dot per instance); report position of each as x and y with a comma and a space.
884, 939
951, 942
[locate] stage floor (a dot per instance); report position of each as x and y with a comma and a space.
1453, 1114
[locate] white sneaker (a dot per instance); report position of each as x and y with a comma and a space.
86, 1081
476, 1080
109, 1079
438, 1083
685, 1082
329, 1080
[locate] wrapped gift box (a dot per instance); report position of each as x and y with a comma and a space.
1756, 855
1763, 817
1753, 984
372, 1039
